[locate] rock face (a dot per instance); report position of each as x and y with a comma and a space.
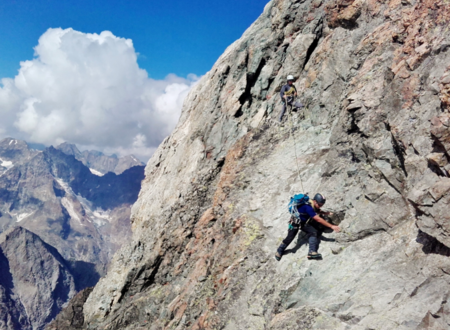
85, 216
98, 162
12, 152
72, 316
373, 138
35, 281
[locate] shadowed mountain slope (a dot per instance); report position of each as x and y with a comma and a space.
35, 281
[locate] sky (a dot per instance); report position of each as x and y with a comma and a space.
108, 75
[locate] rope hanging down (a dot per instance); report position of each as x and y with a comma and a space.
291, 131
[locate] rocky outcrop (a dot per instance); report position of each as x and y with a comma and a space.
72, 316
13, 152
373, 138
35, 281
98, 162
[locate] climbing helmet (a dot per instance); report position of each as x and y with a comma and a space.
319, 199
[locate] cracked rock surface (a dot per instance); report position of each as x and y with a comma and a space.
373, 138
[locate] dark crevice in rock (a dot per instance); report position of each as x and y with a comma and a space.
431, 245
224, 77
151, 278
354, 129
443, 107
399, 150
442, 49
189, 236
390, 183
238, 113
361, 235
437, 170
269, 83
252, 77
220, 162
311, 49
439, 147
127, 289
349, 24
417, 209
355, 159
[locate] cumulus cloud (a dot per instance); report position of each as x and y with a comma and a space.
88, 89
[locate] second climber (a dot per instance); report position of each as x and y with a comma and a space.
288, 93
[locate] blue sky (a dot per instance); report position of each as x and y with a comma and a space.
82, 81
178, 36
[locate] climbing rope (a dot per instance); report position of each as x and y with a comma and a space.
291, 131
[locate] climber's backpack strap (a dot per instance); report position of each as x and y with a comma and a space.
297, 201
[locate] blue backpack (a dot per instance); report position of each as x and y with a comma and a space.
297, 201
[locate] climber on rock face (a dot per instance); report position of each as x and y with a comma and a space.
288, 93
310, 223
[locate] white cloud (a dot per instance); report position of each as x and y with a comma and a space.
88, 89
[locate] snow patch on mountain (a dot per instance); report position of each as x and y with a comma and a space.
95, 172
68, 204
22, 216
6, 163
99, 217
65, 186
99, 213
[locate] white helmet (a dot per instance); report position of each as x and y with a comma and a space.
290, 77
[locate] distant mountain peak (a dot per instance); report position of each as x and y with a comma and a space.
68, 148
29, 269
98, 162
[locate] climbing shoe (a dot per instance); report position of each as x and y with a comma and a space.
278, 256
314, 255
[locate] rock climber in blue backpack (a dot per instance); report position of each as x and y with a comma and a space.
305, 216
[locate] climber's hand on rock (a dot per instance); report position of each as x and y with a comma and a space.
336, 229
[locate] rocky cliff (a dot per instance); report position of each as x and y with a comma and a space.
374, 138
35, 281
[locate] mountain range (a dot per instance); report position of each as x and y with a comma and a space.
98, 162
53, 202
